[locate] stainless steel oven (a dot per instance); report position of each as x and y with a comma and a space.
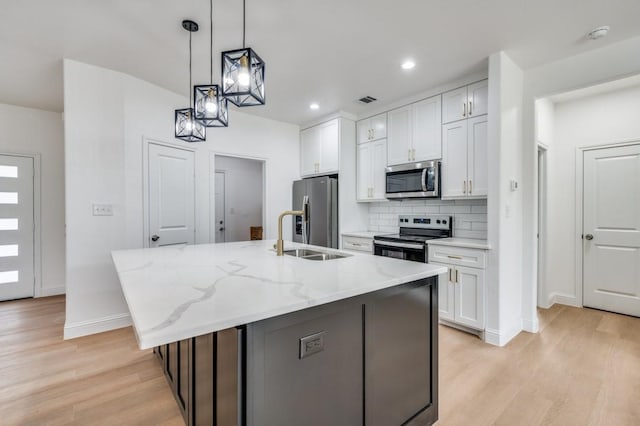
411, 243
416, 180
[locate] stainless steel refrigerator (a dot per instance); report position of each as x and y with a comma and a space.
321, 227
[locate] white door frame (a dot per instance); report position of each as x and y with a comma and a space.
145, 185
212, 190
212, 205
579, 284
541, 224
38, 291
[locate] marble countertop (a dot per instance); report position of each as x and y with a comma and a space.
362, 234
461, 242
178, 292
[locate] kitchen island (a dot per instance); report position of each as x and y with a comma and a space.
247, 337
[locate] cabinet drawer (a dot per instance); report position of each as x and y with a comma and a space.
472, 258
357, 244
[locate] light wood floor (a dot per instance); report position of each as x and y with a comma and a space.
583, 368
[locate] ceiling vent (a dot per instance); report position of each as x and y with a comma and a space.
367, 99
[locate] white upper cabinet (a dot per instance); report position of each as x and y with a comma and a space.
454, 160
372, 160
465, 102
399, 134
477, 98
320, 149
427, 130
477, 146
414, 132
454, 105
464, 159
372, 129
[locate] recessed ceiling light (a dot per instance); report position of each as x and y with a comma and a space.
314, 106
407, 65
598, 32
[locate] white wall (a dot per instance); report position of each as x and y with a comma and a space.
109, 116
33, 131
504, 207
243, 196
602, 119
592, 67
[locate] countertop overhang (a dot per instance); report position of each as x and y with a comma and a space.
178, 292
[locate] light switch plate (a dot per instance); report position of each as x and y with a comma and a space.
103, 210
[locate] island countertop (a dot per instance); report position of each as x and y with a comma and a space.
175, 293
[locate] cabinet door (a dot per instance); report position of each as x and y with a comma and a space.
399, 136
330, 147
469, 295
364, 166
378, 127
309, 151
364, 130
477, 97
427, 129
477, 147
446, 296
378, 166
454, 159
454, 105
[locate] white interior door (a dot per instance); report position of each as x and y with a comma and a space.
611, 243
171, 196
220, 223
16, 227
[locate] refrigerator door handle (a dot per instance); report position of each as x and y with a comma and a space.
305, 220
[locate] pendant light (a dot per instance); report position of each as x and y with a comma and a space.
211, 108
188, 128
243, 73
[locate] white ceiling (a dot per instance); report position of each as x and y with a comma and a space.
327, 51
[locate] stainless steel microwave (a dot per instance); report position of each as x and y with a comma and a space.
416, 180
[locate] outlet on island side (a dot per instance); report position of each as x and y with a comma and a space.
103, 210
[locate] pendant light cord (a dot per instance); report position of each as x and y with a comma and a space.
190, 70
244, 22
211, 40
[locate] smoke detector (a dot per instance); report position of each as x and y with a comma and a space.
597, 33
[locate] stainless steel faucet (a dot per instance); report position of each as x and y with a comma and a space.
305, 218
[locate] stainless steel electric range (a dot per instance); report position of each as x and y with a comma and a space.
411, 242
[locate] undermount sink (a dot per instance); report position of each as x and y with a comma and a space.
314, 254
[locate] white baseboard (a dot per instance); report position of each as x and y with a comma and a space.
85, 328
531, 325
53, 291
563, 299
494, 337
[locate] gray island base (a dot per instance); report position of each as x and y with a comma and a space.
370, 359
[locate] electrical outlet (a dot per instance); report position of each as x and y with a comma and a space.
103, 210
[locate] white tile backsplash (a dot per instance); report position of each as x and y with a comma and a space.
469, 216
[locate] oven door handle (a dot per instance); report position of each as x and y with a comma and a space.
399, 245
424, 180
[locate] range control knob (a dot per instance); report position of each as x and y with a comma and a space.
438, 221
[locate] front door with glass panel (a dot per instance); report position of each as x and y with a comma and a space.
16, 227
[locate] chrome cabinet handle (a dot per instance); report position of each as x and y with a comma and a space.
155, 238
454, 257
470, 187
464, 109
464, 187
470, 107
588, 237
413, 154
450, 278
457, 277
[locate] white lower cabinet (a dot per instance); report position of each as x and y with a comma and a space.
461, 291
358, 244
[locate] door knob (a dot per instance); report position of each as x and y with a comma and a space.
155, 238
589, 237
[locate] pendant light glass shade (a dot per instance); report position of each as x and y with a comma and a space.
211, 108
188, 128
243, 77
